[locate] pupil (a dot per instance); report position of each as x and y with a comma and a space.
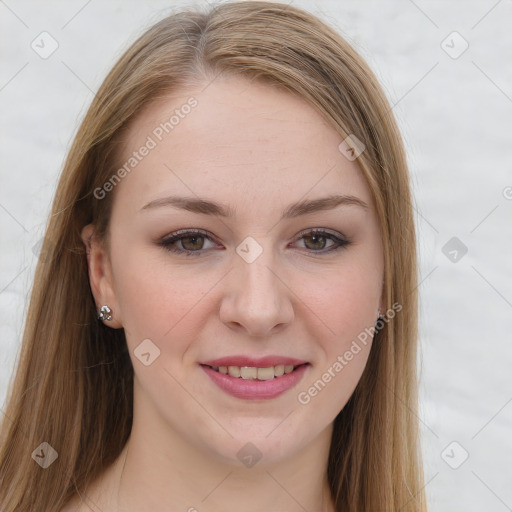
317, 237
194, 238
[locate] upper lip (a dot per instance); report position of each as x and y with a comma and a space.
261, 362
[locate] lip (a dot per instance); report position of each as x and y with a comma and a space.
255, 389
262, 362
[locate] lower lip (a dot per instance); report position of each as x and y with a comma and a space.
256, 389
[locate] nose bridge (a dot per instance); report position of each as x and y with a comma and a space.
258, 280
259, 301
258, 283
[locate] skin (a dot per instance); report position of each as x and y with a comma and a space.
257, 149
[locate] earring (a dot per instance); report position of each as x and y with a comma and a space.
104, 313
379, 316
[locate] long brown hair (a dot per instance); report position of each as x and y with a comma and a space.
73, 386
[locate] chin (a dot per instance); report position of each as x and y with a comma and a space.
259, 444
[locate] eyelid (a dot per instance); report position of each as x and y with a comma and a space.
187, 231
178, 235
327, 231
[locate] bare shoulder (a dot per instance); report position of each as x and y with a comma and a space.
92, 500
99, 495
75, 505
78, 504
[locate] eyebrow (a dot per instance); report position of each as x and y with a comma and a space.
304, 207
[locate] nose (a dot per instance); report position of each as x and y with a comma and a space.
257, 300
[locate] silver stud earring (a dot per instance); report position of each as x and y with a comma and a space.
379, 315
104, 313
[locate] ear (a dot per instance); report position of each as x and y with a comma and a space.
100, 276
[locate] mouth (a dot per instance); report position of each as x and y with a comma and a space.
255, 382
256, 373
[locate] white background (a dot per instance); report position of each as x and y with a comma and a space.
455, 116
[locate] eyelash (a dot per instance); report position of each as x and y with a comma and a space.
168, 241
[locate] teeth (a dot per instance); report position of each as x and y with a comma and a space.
266, 373
248, 372
234, 371
253, 373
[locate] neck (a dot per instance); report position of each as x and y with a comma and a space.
149, 476
160, 468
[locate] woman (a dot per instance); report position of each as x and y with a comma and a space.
227, 312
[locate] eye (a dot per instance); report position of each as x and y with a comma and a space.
316, 240
192, 241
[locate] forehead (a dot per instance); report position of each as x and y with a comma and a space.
237, 141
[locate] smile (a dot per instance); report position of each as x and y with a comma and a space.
254, 382
254, 373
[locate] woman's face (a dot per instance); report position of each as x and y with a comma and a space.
255, 284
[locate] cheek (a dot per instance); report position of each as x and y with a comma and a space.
346, 305
344, 298
158, 300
